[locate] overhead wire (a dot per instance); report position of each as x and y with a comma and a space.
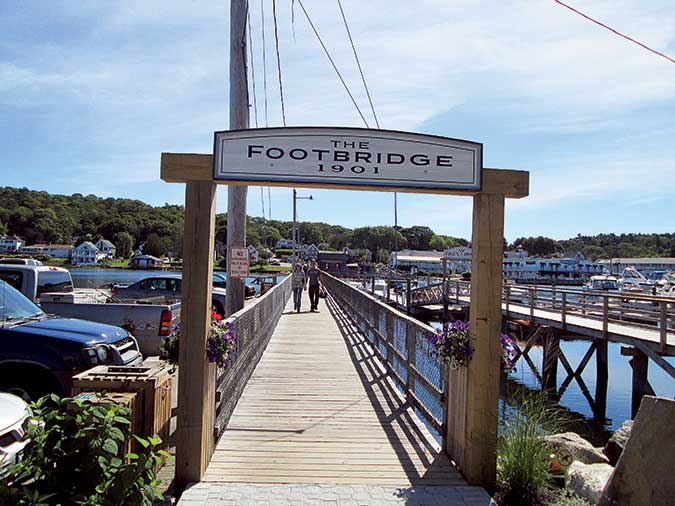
337, 71
250, 52
358, 63
616, 32
264, 57
276, 41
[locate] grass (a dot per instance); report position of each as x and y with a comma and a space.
523, 454
269, 268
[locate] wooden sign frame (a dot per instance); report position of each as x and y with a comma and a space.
473, 392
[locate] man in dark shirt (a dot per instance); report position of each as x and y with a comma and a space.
313, 278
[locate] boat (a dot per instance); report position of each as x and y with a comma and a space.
632, 280
602, 283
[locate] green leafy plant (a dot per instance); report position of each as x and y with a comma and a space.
75, 457
523, 454
568, 499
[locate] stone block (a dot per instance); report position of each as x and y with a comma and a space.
645, 472
617, 442
588, 481
576, 446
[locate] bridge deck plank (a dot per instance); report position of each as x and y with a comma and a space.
318, 409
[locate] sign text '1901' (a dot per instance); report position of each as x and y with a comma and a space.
356, 169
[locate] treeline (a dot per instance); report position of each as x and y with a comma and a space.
601, 246
40, 217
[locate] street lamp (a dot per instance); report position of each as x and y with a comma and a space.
294, 233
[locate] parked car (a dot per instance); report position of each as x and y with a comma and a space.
15, 414
40, 353
52, 288
20, 261
220, 281
169, 286
275, 261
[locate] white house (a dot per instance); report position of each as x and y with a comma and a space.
141, 261
253, 255
10, 243
106, 247
644, 265
86, 254
311, 252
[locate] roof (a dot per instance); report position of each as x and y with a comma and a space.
89, 244
654, 260
10, 238
332, 255
106, 242
145, 257
416, 258
52, 246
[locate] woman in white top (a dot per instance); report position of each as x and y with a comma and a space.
298, 281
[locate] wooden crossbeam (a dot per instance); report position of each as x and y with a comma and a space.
184, 167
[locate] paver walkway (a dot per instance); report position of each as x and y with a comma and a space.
320, 423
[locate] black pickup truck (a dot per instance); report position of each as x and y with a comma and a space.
39, 353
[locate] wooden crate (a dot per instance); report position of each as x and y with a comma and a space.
130, 400
152, 383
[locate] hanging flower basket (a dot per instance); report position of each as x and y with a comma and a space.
220, 345
453, 346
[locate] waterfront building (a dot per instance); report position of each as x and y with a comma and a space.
50, 250
644, 265
106, 247
147, 262
332, 261
10, 243
426, 261
86, 254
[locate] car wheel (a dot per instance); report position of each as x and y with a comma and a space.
29, 384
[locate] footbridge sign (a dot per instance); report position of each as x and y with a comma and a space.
353, 158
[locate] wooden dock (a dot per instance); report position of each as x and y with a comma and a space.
319, 409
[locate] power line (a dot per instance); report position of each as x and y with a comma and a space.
250, 48
276, 41
358, 63
332, 62
269, 202
264, 55
616, 32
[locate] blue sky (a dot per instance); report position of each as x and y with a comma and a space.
92, 92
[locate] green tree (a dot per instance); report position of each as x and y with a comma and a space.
418, 237
438, 243
154, 246
124, 243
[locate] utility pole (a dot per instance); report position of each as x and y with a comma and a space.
295, 260
239, 119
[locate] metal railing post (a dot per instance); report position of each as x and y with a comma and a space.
407, 296
533, 294
663, 325
411, 345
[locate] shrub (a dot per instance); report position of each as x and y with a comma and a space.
74, 457
522, 452
568, 499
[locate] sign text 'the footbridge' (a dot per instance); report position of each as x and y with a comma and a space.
347, 157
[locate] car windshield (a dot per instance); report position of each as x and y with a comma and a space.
14, 306
656, 276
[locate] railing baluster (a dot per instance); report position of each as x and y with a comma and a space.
663, 325
564, 310
605, 315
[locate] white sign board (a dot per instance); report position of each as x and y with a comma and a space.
238, 263
347, 157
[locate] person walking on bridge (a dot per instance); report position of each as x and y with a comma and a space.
299, 282
314, 286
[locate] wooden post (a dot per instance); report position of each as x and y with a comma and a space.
602, 377
563, 310
663, 325
236, 195
472, 415
196, 381
550, 362
641, 386
605, 315
408, 302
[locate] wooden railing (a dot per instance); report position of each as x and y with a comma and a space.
254, 325
402, 345
626, 308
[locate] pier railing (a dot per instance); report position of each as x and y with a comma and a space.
402, 344
626, 308
254, 325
